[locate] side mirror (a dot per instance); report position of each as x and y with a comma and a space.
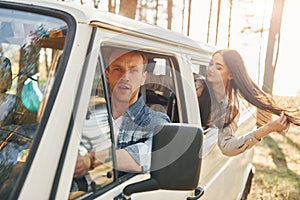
175, 161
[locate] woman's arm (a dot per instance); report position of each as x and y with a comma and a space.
277, 125
231, 145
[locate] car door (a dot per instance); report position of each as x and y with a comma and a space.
160, 94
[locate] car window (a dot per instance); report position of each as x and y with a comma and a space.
159, 88
95, 138
98, 135
30, 49
199, 73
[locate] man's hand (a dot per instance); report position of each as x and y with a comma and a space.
83, 165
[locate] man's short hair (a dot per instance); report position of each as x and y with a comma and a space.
110, 51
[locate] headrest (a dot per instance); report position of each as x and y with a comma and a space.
198, 77
5, 74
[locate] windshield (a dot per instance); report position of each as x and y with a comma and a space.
30, 49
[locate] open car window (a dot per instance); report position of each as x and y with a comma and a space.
100, 133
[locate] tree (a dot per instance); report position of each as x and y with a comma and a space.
229, 23
112, 6
128, 8
156, 13
170, 7
209, 20
189, 17
271, 61
96, 3
273, 44
218, 21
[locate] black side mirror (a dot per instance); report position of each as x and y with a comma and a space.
175, 161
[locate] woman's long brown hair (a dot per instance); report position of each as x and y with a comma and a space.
242, 84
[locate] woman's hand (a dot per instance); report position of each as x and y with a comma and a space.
280, 124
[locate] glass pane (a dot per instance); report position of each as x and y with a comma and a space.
30, 48
159, 85
95, 143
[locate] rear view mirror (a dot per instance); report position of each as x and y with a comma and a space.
175, 161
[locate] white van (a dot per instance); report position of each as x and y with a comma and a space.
52, 58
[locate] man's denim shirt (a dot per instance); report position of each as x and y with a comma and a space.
135, 135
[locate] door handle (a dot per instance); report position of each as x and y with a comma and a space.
199, 191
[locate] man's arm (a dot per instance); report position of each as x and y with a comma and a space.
90, 160
125, 162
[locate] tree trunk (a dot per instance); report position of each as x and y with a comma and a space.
170, 6
209, 19
189, 18
229, 24
96, 3
273, 44
128, 8
182, 16
270, 63
156, 12
112, 6
218, 20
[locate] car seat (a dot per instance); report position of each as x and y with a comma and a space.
7, 101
